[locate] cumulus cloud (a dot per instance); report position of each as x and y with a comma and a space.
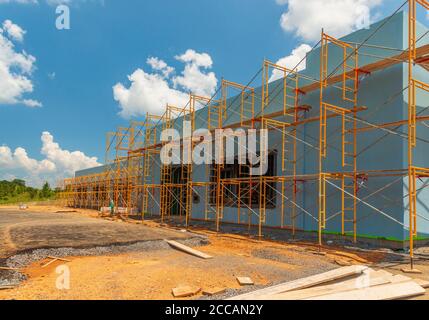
16, 68
13, 30
149, 92
194, 78
291, 61
160, 65
57, 163
338, 17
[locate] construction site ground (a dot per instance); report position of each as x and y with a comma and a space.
130, 260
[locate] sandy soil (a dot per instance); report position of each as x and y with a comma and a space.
152, 275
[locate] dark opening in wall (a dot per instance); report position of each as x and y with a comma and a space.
248, 191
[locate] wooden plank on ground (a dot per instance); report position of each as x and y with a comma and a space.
8, 268
422, 283
384, 273
7, 287
49, 263
400, 278
61, 259
185, 291
368, 279
303, 282
351, 256
245, 281
407, 270
189, 250
213, 291
390, 291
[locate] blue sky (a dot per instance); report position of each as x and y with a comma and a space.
75, 70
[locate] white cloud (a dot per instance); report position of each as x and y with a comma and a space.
16, 68
292, 61
150, 92
13, 30
160, 65
57, 163
193, 78
64, 160
337, 17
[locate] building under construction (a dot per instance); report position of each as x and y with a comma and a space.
346, 147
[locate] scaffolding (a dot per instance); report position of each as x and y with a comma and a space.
133, 153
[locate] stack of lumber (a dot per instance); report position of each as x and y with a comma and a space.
347, 283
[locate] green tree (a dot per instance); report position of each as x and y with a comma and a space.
46, 190
19, 182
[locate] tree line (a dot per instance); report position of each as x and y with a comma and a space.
16, 191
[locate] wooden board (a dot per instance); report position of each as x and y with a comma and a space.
49, 263
351, 256
303, 283
352, 284
422, 283
390, 291
189, 250
245, 281
213, 291
7, 287
407, 270
61, 259
400, 278
7, 268
185, 291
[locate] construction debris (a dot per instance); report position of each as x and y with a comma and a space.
187, 249
422, 283
384, 292
61, 259
7, 287
7, 268
304, 282
54, 259
343, 263
333, 288
245, 281
185, 291
213, 291
350, 256
407, 270
367, 284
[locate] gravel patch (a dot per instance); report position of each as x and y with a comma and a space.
21, 260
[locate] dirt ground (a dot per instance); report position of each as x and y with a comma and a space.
152, 274
50, 227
